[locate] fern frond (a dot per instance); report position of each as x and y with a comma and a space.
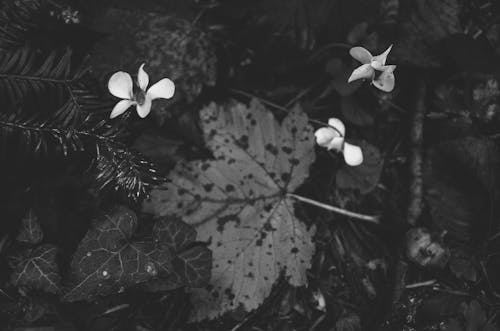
124, 170
116, 166
37, 135
18, 19
23, 74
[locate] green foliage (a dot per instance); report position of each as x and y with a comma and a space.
365, 176
31, 232
428, 23
171, 46
238, 203
35, 268
460, 176
108, 259
17, 20
51, 106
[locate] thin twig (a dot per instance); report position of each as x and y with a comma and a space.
416, 159
362, 217
421, 284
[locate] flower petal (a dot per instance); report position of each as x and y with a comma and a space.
385, 82
144, 109
121, 107
120, 85
164, 89
337, 125
382, 58
143, 78
361, 54
365, 71
336, 144
388, 68
324, 136
353, 154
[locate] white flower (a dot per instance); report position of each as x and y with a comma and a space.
370, 64
333, 137
121, 86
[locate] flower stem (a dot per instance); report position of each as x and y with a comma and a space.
362, 217
421, 284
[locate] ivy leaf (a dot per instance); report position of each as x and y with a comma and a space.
36, 269
31, 232
192, 263
239, 204
365, 176
462, 265
108, 260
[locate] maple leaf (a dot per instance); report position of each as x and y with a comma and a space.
108, 260
239, 204
31, 232
36, 269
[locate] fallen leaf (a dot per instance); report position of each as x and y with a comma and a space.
31, 232
36, 269
239, 205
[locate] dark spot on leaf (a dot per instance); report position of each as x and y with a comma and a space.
294, 161
268, 207
229, 294
258, 242
293, 130
287, 150
242, 142
253, 122
208, 187
231, 161
229, 188
294, 250
250, 275
205, 166
272, 149
268, 227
